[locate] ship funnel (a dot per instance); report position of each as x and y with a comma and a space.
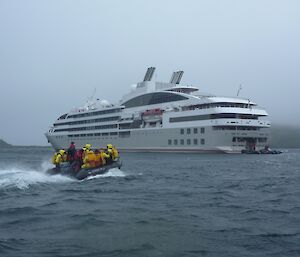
176, 77
149, 74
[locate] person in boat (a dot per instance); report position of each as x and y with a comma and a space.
85, 149
59, 157
104, 156
89, 158
54, 157
77, 163
115, 153
108, 154
71, 152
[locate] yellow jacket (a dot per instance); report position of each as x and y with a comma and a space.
104, 156
54, 158
115, 153
59, 158
89, 159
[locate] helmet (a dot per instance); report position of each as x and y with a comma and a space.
61, 151
109, 146
88, 146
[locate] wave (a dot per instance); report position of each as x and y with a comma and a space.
111, 173
23, 179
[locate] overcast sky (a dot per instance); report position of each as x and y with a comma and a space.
54, 53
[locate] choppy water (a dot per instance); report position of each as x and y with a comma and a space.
156, 205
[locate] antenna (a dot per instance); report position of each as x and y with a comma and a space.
94, 93
240, 88
90, 102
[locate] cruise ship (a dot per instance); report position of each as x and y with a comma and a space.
165, 117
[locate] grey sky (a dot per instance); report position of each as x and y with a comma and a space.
54, 53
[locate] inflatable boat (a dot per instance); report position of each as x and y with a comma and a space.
261, 152
66, 170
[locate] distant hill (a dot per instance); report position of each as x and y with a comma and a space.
4, 144
285, 136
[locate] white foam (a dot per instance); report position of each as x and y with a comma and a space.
22, 179
111, 173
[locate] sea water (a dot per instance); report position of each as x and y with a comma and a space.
155, 205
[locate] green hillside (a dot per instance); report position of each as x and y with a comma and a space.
4, 144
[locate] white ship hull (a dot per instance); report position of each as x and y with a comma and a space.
157, 140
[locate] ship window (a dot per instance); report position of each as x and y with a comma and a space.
105, 134
97, 134
202, 141
170, 142
153, 98
202, 130
175, 142
234, 139
63, 117
113, 133
262, 140
181, 141
188, 141
181, 131
189, 118
195, 130
188, 131
124, 134
195, 141
89, 135
235, 128
83, 135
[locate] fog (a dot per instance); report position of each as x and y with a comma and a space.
53, 54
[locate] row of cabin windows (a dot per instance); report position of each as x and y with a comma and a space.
216, 105
121, 134
88, 128
189, 130
235, 128
88, 121
94, 113
188, 141
245, 139
214, 116
95, 134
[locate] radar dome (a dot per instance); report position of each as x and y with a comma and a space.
133, 87
104, 103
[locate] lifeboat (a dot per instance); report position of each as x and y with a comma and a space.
152, 115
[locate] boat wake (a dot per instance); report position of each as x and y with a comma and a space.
115, 172
23, 178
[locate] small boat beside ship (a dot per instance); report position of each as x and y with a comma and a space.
266, 150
